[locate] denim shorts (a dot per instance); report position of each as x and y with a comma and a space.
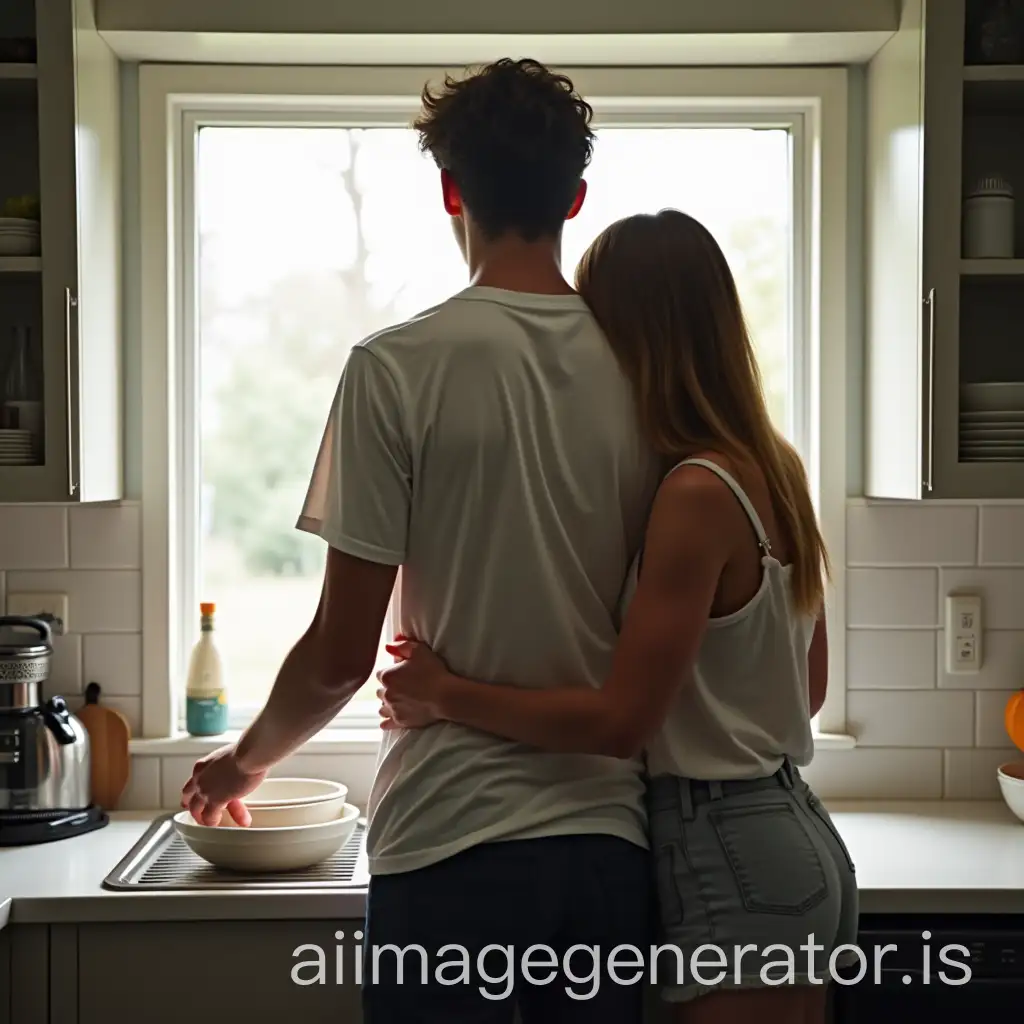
755, 870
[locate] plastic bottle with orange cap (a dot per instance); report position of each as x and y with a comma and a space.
206, 699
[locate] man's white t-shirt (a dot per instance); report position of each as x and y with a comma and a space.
490, 447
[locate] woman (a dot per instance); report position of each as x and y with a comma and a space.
722, 658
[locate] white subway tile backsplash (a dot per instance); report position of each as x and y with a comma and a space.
876, 774
971, 774
1002, 535
1002, 663
33, 537
65, 678
922, 733
1002, 593
114, 660
990, 715
911, 718
174, 773
347, 768
892, 597
890, 659
98, 602
911, 535
143, 790
105, 537
892, 707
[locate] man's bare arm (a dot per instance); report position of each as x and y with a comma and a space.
330, 662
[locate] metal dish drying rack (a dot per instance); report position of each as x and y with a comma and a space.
161, 862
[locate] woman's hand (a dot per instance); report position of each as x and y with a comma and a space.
411, 688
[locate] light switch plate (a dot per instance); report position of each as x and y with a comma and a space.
53, 608
963, 633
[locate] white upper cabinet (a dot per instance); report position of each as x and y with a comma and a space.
60, 294
944, 362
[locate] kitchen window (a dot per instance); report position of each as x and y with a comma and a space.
287, 214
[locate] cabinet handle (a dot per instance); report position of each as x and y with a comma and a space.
69, 302
930, 303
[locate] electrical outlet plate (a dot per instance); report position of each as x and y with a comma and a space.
51, 607
963, 633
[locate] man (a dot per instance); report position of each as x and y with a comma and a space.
489, 448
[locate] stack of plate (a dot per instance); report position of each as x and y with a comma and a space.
19, 237
992, 422
16, 448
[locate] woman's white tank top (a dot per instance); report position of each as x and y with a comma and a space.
746, 707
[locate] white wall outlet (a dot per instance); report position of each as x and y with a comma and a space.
963, 633
51, 607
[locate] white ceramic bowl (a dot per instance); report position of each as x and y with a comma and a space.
256, 850
281, 803
1011, 784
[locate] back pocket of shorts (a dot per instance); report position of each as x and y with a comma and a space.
773, 859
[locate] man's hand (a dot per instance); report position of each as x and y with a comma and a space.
218, 783
411, 688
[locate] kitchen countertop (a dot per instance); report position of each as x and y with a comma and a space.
62, 882
924, 857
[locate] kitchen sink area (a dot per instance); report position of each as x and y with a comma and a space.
161, 862
133, 894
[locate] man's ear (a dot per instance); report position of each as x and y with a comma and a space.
450, 195
577, 203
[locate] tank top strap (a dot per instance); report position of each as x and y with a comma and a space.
741, 496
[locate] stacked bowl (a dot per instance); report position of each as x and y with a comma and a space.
296, 823
19, 236
1011, 785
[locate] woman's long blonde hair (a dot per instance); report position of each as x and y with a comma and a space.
662, 291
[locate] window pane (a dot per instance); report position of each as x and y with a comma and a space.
735, 181
312, 238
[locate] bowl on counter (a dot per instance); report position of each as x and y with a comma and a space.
1011, 785
253, 850
281, 803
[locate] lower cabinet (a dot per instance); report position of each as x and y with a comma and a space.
212, 973
170, 972
24, 987
5, 977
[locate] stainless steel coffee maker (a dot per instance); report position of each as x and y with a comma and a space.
44, 750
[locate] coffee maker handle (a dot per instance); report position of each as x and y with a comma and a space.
40, 625
58, 720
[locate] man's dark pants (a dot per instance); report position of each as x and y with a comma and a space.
556, 893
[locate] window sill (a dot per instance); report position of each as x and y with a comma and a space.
354, 740
834, 741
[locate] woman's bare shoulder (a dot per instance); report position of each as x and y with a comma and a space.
707, 496
698, 487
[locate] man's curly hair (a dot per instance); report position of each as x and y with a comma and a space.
516, 139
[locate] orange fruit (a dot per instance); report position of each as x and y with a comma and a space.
1015, 719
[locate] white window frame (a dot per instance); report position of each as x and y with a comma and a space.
174, 100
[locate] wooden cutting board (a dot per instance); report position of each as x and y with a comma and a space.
109, 734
